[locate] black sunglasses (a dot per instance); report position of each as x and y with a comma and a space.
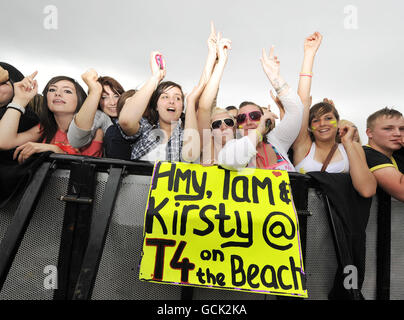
217, 123
253, 115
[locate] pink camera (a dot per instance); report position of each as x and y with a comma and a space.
159, 61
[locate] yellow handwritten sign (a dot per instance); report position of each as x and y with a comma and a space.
210, 227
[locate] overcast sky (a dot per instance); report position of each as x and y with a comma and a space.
359, 64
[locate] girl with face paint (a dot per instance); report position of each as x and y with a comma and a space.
320, 135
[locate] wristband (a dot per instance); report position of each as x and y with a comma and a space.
16, 106
259, 135
306, 75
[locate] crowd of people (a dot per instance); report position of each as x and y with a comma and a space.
157, 122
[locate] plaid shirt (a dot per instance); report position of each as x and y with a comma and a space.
149, 136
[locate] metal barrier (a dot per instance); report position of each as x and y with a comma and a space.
84, 218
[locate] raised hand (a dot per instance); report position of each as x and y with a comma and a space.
270, 64
223, 47
263, 128
212, 40
25, 90
347, 134
3, 75
312, 43
329, 101
90, 77
158, 72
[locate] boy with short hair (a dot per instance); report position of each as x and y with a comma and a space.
385, 131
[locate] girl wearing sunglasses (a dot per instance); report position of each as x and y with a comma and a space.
263, 144
223, 129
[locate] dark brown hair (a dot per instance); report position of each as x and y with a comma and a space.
112, 83
151, 113
246, 103
47, 119
37, 104
228, 108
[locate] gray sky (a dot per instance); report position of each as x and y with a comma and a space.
359, 64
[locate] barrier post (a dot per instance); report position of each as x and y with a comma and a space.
76, 226
383, 251
98, 235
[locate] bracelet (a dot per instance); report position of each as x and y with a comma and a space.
16, 106
306, 75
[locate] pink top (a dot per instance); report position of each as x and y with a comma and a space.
94, 149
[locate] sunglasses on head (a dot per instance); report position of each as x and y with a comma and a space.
253, 115
217, 123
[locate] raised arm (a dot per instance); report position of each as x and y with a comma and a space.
362, 179
81, 131
24, 91
191, 148
287, 130
85, 117
212, 55
311, 45
271, 66
208, 96
279, 105
134, 107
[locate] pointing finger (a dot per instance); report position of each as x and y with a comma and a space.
33, 75
271, 52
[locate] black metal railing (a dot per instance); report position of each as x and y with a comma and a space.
84, 231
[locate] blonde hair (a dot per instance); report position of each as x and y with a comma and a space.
217, 110
344, 122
